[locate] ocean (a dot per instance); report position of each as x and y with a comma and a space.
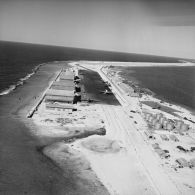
19, 61
173, 84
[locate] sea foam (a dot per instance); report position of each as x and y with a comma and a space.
20, 82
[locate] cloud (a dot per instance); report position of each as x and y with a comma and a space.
171, 12
158, 27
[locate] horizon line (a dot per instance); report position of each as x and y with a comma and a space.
114, 51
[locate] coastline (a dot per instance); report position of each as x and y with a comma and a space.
79, 156
181, 110
136, 64
187, 139
142, 80
24, 168
158, 98
136, 112
22, 80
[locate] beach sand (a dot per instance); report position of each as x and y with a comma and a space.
181, 178
137, 168
24, 169
99, 149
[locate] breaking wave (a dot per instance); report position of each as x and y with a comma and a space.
20, 82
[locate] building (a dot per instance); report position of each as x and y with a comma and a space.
59, 106
64, 99
54, 92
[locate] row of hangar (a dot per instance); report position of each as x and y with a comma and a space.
64, 92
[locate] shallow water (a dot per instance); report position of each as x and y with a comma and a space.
175, 84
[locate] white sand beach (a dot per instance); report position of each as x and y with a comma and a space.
123, 157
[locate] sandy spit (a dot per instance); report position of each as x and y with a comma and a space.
23, 167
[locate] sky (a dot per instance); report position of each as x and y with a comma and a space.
157, 27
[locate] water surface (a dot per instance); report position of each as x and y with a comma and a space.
175, 84
19, 60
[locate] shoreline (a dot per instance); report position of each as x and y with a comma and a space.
89, 116
182, 115
138, 85
187, 139
137, 64
21, 81
24, 79
181, 110
24, 168
92, 64
118, 160
148, 92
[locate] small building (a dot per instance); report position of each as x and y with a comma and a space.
66, 99
59, 106
63, 83
173, 138
67, 72
147, 116
165, 124
169, 126
192, 162
182, 162
54, 92
61, 87
154, 121
164, 137
151, 118
159, 115
149, 135
156, 146
162, 119
162, 153
178, 124
66, 77
134, 94
184, 127
158, 126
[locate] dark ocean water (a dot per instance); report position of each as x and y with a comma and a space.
19, 60
175, 84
